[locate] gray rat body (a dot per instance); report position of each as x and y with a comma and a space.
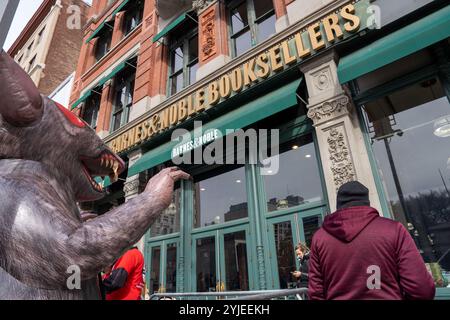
48, 159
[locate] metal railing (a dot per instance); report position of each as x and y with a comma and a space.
284, 294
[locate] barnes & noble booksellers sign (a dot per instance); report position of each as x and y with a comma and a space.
303, 44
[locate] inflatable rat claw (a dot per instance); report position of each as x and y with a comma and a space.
48, 160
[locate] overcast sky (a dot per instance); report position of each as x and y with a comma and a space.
24, 13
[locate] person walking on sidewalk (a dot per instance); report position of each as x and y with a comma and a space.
359, 255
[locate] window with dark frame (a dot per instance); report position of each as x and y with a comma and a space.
124, 90
91, 109
103, 44
183, 57
31, 63
250, 22
133, 16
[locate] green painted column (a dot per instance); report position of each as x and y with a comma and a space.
256, 225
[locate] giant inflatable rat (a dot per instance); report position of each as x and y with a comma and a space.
48, 158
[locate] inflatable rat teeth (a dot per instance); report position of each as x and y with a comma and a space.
48, 159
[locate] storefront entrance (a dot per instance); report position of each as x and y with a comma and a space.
221, 260
163, 266
284, 233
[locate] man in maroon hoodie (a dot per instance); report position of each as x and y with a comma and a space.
359, 255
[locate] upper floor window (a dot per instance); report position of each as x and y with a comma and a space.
31, 63
91, 109
39, 36
133, 16
251, 22
124, 90
183, 58
30, 47
103, 43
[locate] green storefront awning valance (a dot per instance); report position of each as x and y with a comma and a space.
101, 27
121, 7
399, 44
171, 26
113, 73
254, 111
103, 182
82, 99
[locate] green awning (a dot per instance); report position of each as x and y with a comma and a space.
119, 8
101, 27
399, 44
112, 74
171, 26
82, 99
242, 117
104, 183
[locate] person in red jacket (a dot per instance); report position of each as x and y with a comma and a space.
359, 255
125, 280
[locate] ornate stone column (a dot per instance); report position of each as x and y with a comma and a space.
133, 186
339, 136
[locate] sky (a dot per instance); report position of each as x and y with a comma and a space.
23, 14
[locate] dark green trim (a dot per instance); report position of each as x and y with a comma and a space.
82, 99
113, 73
119, 8
399, 44
170, 26
258, 109
100, 28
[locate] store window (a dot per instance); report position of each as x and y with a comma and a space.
124, 90
251, 22
91, 108
103, 44
169, 221
183, 59
410, 137
133, 16
295, 180
221, 198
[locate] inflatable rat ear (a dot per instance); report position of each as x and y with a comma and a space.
21, 104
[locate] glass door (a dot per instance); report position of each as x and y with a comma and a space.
163, 266
285, 232
222, 260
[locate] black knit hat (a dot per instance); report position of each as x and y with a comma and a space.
352, 194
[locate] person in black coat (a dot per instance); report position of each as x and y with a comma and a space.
302, 252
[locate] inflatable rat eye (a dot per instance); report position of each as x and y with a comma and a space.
72, 117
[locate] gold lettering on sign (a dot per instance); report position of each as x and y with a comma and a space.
225, 87
249, 75
275, 58
315, 35
213, 91
200, 97
262, 61
182, 110
332, 28
288, 58
301, 51
354, 22
236, 80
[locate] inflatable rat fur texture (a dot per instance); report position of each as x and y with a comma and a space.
48, 157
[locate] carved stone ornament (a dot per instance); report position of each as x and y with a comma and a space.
341, 162
329, 110
200, 5
208, 36
131, 187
